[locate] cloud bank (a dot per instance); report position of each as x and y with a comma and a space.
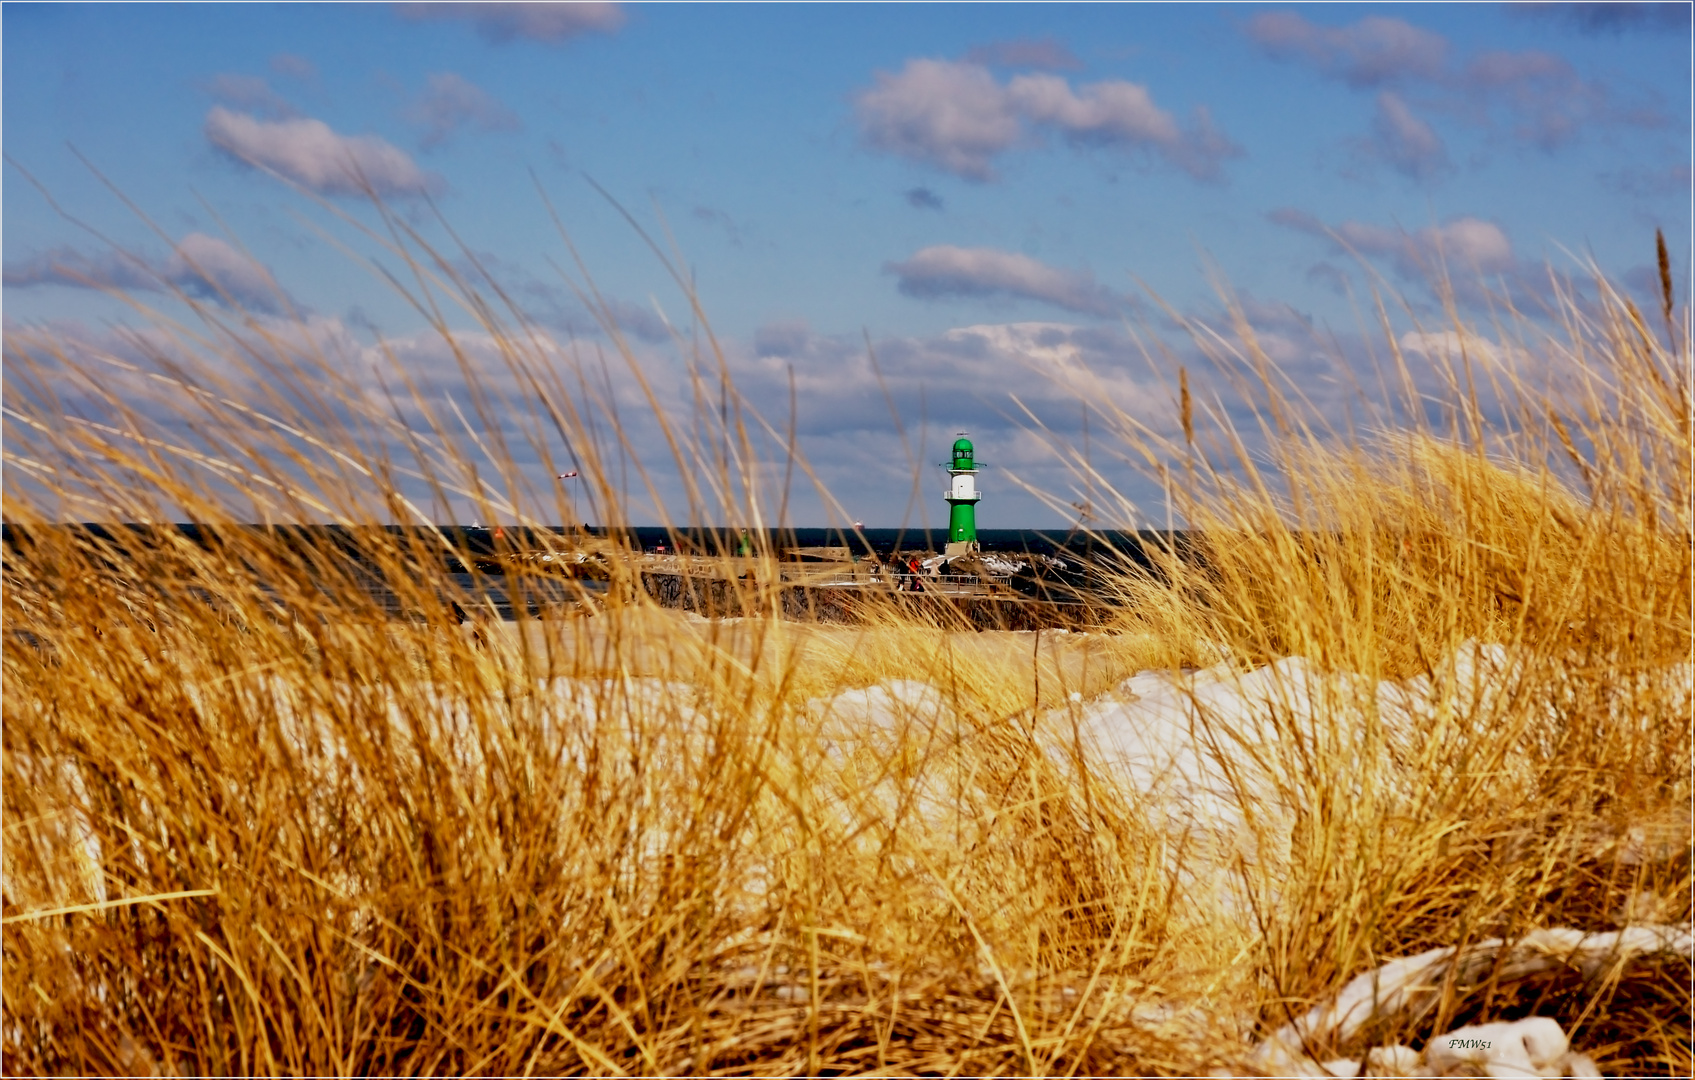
957, 117
967, 377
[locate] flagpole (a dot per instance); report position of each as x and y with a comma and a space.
572, 475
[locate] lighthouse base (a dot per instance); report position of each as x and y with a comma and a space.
958, 548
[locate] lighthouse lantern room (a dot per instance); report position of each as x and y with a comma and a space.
962, 499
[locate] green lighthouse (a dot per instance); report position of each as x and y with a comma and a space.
962, 498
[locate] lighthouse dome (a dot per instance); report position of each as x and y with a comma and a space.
962, 454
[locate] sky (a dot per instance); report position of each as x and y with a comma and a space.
931, 218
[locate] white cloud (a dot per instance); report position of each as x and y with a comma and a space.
1463, 244
451, 102
1372, 52
1105, 111
966, 376
955, 116
787, 337
552, 23
201, 266
1049, 348
1471, 242
211, 267
67, 266
310, 153
1450, 346
1122, 114
1540, 96
948, 271
1436, 358
1404, 141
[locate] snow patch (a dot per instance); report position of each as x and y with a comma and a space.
1532, 1047
1001, 565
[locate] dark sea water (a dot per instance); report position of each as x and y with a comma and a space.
1077, 561
709, 540
1053, 565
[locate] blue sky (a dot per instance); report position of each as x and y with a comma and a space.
986, 192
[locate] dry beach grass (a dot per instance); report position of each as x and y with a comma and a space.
252, 825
